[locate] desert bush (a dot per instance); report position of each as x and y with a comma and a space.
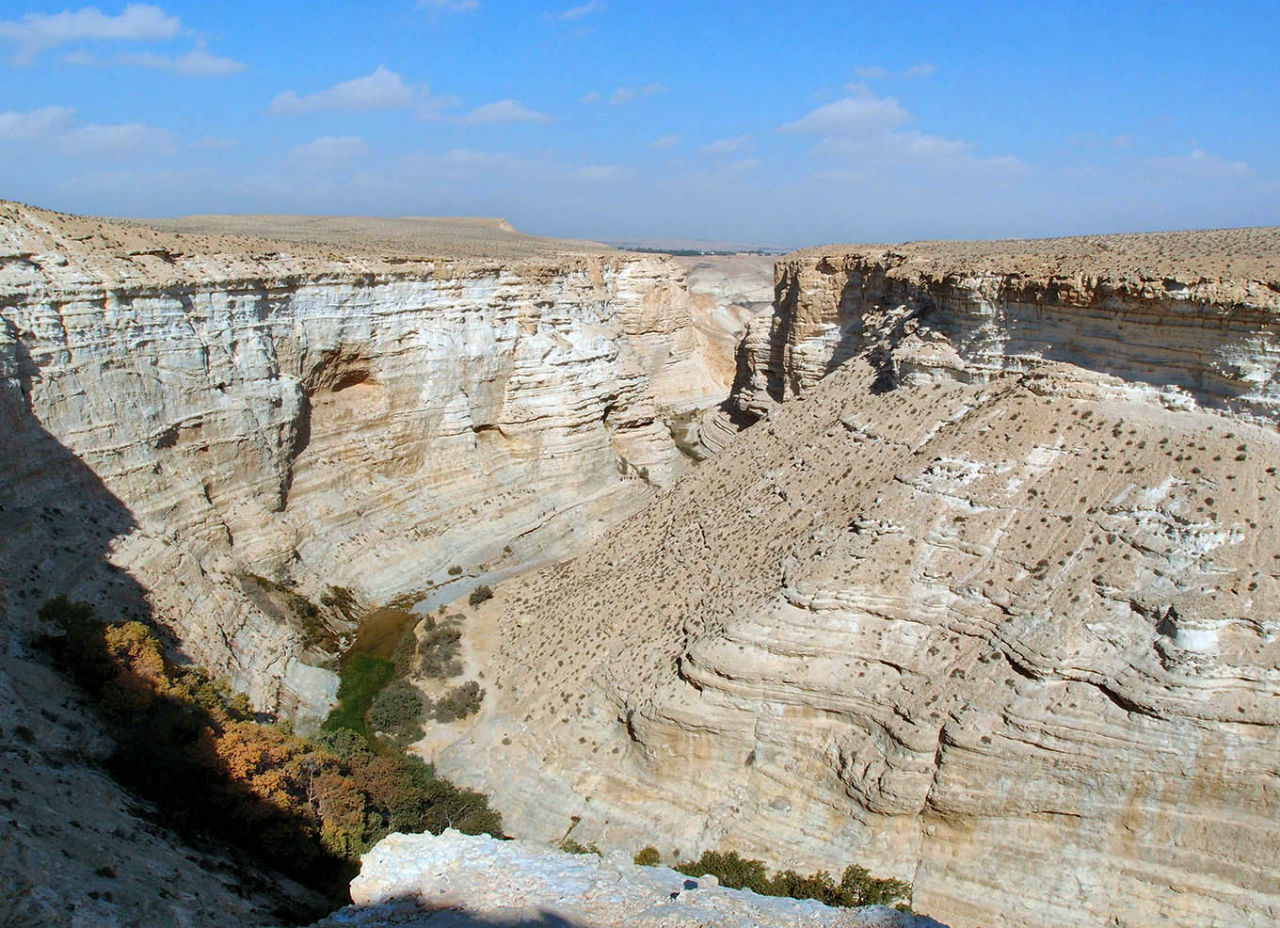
457, 703
479, 595
857, 886
438, 650
455, 570
648, 856
570, 846
397, 710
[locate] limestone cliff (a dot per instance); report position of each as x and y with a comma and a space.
255, 423
991, 607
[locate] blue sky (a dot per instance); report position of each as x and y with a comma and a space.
782, 123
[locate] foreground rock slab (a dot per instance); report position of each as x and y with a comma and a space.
455, 880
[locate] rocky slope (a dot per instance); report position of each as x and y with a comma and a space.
991, 607
221, 431
463, 880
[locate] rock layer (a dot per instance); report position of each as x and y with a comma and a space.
319, 416
990, 607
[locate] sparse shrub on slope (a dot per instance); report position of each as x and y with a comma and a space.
648, 856
857, 886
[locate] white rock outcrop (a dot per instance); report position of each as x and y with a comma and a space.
459, 880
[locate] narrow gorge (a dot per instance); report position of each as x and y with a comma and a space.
954, 560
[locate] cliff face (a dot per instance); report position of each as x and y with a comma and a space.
320, 419
991, 607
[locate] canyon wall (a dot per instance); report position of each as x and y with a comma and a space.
234, 429
991, 607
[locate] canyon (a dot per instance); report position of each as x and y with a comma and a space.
976, 583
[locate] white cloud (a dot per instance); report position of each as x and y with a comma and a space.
870, 72
667, 141
52, 129
629, 94
381, 90
577, 12
459, 6
504, 111
725, 146
862, 113
866, 132
592, 97
36, 124
35, 32
923, 69
129, 140
331, 153
195, 63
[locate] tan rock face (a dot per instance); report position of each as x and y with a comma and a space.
319, 418
991, 607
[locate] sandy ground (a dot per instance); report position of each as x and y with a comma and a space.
1252, 254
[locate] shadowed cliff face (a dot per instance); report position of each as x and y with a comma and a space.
990, 606
76, 849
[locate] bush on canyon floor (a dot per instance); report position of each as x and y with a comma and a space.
856, 887
397, 711
438, 649
479, 595
458, 702
192, 747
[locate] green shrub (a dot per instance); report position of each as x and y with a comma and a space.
570, 846
397, 710
458, 702
455, 570
363, 676
648, 856
479, 595
857, 886
438, 650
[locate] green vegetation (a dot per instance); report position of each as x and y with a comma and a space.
457, 703
438, 648
397, 711
479, 595
648, 856
455, 570
296, 608
193, 748
856, 887
570, 846
363, 675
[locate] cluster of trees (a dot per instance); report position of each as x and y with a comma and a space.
194, 748
856, 887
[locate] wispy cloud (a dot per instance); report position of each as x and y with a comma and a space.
381, 90
863, 130
504, 111
725, 146
629, 94
195, 63
35, 32
1200, 164
52, 129
870, 72
577, 12
592, 97
331, 153
923, 69
667, 141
